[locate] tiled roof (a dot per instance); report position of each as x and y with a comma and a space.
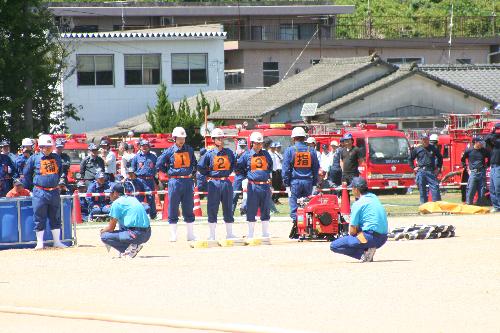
296, 88
481, 79
454, 76
201, 31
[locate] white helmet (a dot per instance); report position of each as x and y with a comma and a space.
256, 137
334, 143
311, 140
217, 133
27, 142
45, 141
179, 132
433, 137
298, 131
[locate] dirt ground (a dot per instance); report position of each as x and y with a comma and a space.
444, 285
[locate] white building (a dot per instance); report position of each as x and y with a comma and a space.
115, 75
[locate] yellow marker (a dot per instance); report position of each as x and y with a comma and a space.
231, 242
253, 242
203, 244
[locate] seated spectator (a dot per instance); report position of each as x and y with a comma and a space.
82, 188
99, 205
134, 184
63, 187
18, 190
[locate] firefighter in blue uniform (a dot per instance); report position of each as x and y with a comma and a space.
239, 174
478, 158
44, 168
65, 159
429, 164
217, 164
82, 188
201, 180
257, 164
21, 159
6, 174
300, 172
99, 205
133, 184
179, 163
144, 165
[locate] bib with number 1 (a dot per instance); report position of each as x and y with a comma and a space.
221, 163
182, 160
258, 163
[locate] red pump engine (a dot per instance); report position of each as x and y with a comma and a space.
319, 217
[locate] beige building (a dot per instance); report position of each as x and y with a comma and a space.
266, 44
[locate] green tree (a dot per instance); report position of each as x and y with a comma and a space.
31, 66
162, 117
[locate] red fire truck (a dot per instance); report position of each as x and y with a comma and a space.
76, 147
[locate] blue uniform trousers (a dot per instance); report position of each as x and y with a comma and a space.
151, 198
102, 209
237, 186
495, 186
476, 184
46, 204
351, 246
424, 178
220, 191
259, 196
121, 239
335, 176
4, 187
180, 191
299, 188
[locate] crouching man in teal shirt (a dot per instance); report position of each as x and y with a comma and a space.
368, 228
134, 229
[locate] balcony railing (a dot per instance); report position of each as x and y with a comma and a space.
374, 27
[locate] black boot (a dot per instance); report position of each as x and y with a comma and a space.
293, 232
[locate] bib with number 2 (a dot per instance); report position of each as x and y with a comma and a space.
221, 163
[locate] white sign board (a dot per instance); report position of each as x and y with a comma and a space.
309, 109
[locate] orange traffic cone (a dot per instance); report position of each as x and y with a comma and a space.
164, 213
77, 208
197, 204
345, 208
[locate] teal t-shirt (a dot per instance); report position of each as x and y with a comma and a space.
129, 212
369, 214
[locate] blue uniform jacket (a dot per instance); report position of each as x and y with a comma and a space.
217, 163
429, 157
144, 165
20, 163
257, 166
336, 159
96, 188
5, 163
478, 158
297, 164
177, 162
139, 186
44, 171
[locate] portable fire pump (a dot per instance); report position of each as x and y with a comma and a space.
319, 218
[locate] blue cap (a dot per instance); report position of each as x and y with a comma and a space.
130, 170
4, 142
242, 142
144, 142
92, 146
17, 181
477, 138
60, 143
104, 143
118, 187
277, 144
359, 182
100, 175
424, 136
347, 136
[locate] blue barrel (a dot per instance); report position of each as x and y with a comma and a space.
8, 221
27, 224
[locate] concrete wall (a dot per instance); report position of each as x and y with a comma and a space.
104, 106
253, 58
410, 95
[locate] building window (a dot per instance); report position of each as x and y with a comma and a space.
289, 32
142, 69
85, 28
271, 73
256, 32
94, 70
189, 68
403, 61
233, 79
306, 30
464, 61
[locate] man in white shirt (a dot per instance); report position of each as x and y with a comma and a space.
326, 157
109, 158
127, 157
276, 180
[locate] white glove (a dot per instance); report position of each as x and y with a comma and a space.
9, 169
288, 191
314, 189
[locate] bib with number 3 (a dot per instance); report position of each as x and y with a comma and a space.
258, 163
182, 160
302, 160
48, 167
221, 163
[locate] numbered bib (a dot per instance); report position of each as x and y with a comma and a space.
221, 163
302, 160
258, 163
182, 160
48, 167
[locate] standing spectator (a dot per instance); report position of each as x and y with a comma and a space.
6, 174
335, 171
326, 156
65, 159
109, 158
63, 187
201, 180
493, 143
350, 159
128, 155
277, 180
5, 150
144, 165
91, 165
44, 169
429, 163
18, 190
26, 151
133, 184
239, 174
311, 142
478, 161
